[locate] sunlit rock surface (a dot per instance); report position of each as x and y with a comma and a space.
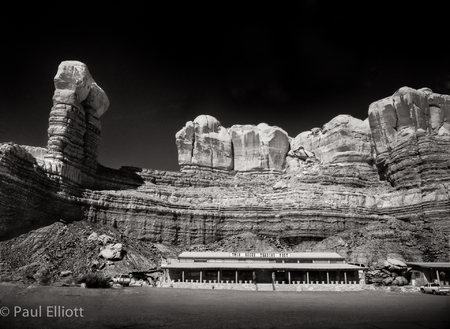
366, 190
74, 126
343, 139
410, 132
259, 148
205, 143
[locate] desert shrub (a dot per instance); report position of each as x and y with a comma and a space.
94, 280
45, 277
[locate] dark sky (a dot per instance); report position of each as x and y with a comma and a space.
295, 66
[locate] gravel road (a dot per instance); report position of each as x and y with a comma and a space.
64, 307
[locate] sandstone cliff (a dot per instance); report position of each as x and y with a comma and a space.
259, 148
205, 143
366, 188
411, 134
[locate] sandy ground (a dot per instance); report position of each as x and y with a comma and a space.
185, 308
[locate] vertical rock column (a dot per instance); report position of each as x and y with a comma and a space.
74, 125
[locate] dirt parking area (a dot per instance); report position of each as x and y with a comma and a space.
67, 307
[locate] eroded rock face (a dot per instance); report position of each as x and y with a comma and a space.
243, 148
334, 193
344, 139
185, 144
205, 143
411, 135
74, 125
259, 148
262, 148
74, 84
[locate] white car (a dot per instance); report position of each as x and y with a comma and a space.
434, 288
122, 279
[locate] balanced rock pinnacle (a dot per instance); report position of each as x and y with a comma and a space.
74, 83
74, 125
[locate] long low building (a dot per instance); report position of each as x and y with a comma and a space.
424, 272
265, 267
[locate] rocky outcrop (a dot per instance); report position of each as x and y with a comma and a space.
358, 187
343, 139
74, 125
265, 148
205, 143
393, 273
411, 135
259, 148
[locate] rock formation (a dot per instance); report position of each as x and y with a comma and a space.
112, 251
343, 139
411, 135
259, 148
205, 143
74, 125
363, 188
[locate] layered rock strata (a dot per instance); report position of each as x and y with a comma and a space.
411, 135
336, 181
74, 125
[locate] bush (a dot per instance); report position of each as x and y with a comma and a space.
95, 280
45, 277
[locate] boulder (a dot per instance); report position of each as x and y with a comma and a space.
388, 281
93, 237
280, 185
101, 239
395, 265
65, 273
402, 280
112, 252
105, 239
301, 153
73, 76
74, 84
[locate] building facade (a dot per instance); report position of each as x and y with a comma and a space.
427, 272
265, 267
